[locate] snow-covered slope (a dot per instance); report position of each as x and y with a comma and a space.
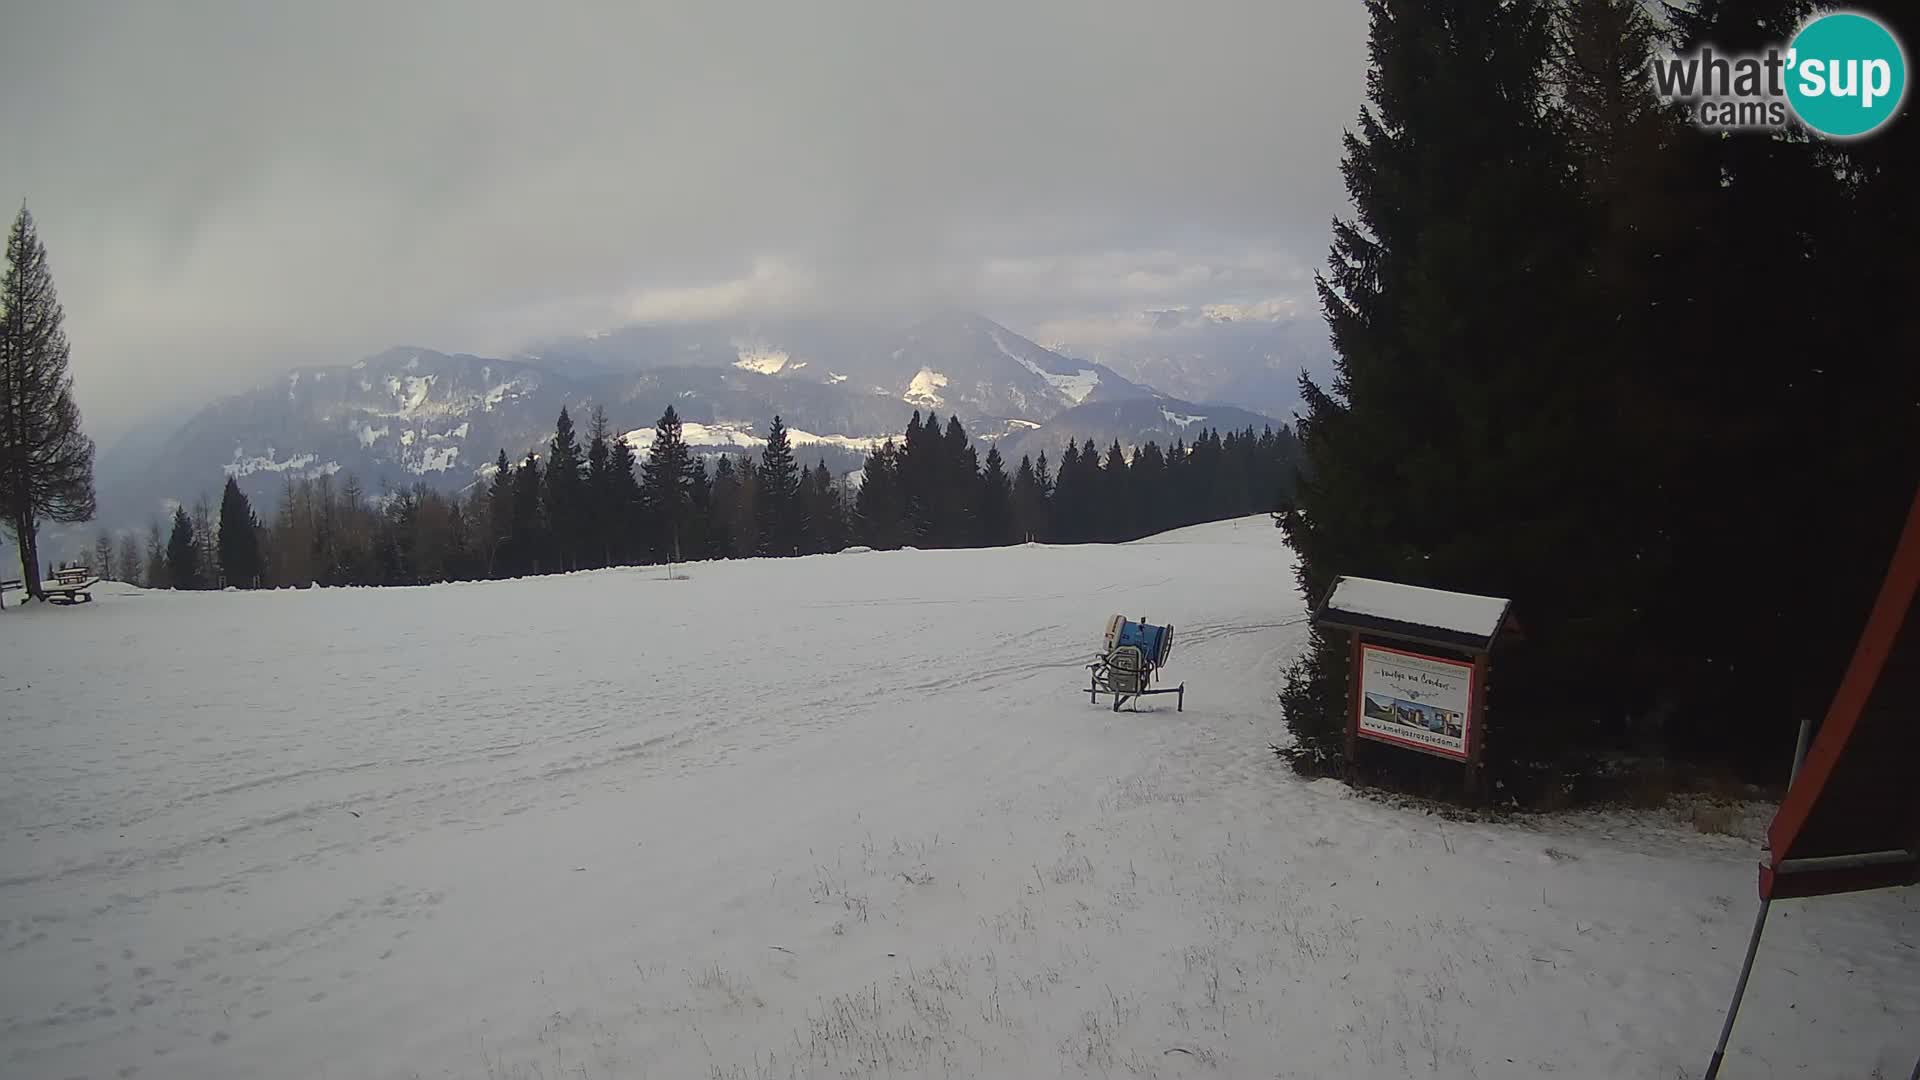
841, 816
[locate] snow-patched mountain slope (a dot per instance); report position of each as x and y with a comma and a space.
1250, 358
838, 816
953, 362
963, 362
390, 420
409, 415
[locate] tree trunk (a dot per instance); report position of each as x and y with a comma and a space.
29, 557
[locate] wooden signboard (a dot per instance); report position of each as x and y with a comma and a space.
1419, 667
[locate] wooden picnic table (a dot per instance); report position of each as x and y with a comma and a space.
69, 586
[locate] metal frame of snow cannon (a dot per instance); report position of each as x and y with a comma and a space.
1135, 652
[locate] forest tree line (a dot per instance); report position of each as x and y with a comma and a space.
599, 504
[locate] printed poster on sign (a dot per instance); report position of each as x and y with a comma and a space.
1421, 702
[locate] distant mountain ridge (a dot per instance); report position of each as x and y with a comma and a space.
411, 415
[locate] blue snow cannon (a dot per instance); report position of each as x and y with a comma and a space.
1155, 642
1134, 653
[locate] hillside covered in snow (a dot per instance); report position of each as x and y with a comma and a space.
847, 815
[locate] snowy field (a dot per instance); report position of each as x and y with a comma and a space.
838, 816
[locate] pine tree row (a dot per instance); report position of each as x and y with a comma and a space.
572, 509
931, 490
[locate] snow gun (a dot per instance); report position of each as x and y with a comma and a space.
1131, 659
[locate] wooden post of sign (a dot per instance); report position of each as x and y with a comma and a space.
1353, 701
1477, 745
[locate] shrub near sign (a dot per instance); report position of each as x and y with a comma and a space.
1421, 702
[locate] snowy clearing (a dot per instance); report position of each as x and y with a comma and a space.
835, 816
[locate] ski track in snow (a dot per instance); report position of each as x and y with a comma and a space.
849, 815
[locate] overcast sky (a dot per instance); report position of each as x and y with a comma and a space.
230, 189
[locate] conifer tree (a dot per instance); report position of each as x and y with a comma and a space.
46, 462
598, 496
529, 528
623, 515
183, 560
1069, 499
720, 514
744, 515
919, 473
666, 481
1044, 484
1444, 296
500, 519
1025, 500
700, 510
103, 561
1146, 491
778, 495
959, 487
563, 495
880, 505
1115, 511
995, 502
238, 543
823, 523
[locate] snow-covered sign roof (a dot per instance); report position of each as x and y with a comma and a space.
1435, 614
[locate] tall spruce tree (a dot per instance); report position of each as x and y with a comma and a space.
778, 496
529, 525
994, 505
623, 516
666, 482
565, 494
499, 554
183, 559
239, 542
919, 475
599, 497
1116, 512
824, 518
726, 495
1444, 449
1146, 491
1068, 509
700, 510
958, 488
1025, 501
880, 505
46, 462
743, 517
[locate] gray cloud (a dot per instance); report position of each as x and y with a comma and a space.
230, 188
